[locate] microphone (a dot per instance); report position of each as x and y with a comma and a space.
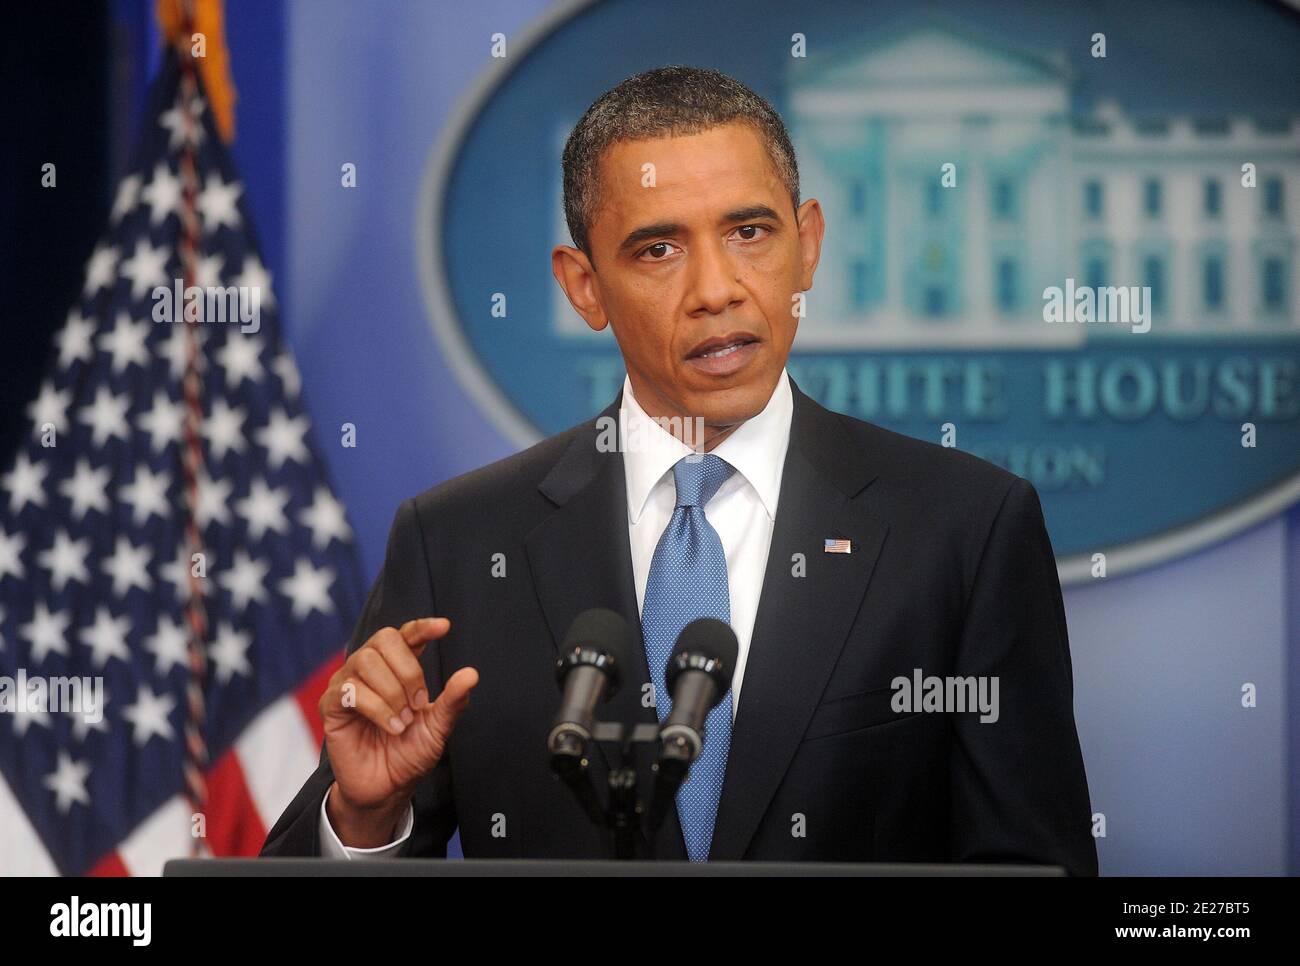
596, 649
698, 676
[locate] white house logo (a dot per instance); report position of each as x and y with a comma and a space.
985, 202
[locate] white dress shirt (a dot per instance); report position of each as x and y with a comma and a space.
743, 512
332, 848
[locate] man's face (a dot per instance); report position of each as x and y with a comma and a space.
697, 271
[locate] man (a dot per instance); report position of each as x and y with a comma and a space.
843, 556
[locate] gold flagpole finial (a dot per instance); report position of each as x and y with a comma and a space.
197, 29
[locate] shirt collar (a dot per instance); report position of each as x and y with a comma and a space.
756, 448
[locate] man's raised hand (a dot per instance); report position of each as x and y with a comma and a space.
381, 731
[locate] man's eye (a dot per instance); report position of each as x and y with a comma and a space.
752, 229
658, 251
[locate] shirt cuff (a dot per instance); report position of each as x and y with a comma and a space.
332, 848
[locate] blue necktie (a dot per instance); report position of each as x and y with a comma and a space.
688, 580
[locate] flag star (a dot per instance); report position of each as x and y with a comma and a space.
11, 549
244, 580
163, 194
164, 422
25, 483
68, 782
207, 270
283, 438
128, 195
66, 560
182, 126
86, 489
308, 589
178, 574
106, 416
325, 519
148, 716
146, 268
287, 370
101, 270
239, 357
128, 566
263, 509
74, 339
256, 276
176, 349
146, 494
106, 638
169, 646
24, 718
51, 407
213, 495
46, 631
229, 652
126, 343
217, 203
224, 429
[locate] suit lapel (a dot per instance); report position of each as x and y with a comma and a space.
581, 558
802, 621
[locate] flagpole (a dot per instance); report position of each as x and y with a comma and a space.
196, 749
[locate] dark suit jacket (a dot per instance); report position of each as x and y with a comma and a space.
951, 572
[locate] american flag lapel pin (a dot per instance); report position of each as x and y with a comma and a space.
834, 545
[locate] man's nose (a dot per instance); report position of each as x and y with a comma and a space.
714, 282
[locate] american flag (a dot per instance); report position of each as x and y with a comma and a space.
167, 529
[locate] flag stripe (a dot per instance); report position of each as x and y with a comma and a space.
21, 852
277, 753
110, 866
163, 835
234, 826
309, 693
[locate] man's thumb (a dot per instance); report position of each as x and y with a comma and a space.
454, 699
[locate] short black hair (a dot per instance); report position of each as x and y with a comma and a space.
673, 100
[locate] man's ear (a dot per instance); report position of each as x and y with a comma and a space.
812, 226
572, 269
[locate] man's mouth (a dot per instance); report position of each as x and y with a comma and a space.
723, 355
721, 345
726, 350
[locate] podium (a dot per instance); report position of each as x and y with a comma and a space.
581, 868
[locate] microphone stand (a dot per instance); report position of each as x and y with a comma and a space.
621, 814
